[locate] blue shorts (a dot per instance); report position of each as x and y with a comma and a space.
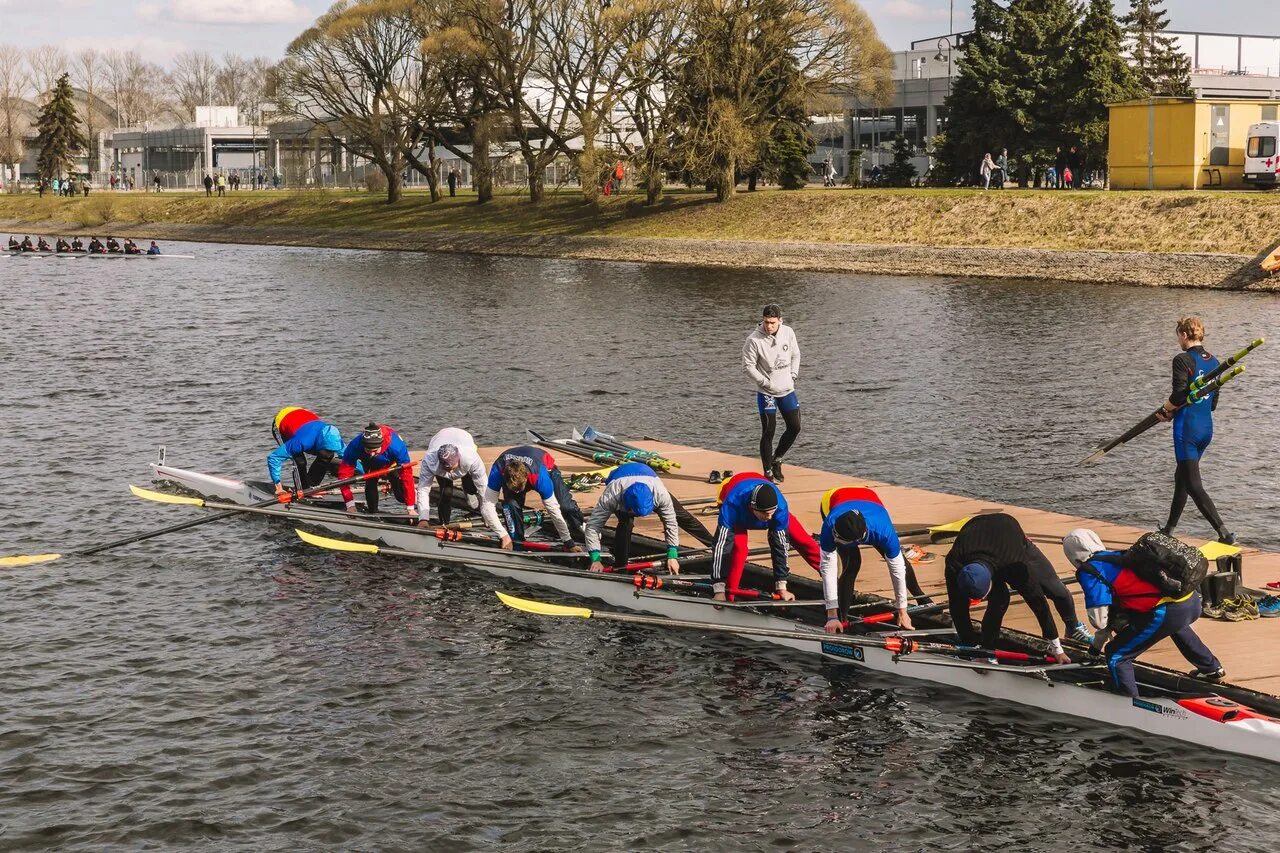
770, 405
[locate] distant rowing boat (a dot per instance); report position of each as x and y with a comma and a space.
11, 253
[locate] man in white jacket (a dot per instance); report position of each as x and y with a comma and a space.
451, 460
771, 357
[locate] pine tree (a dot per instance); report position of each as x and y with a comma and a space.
1159, 66
59, 137
901, 172
1101, 75
976, 119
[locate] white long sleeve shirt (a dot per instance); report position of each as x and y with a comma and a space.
471, 466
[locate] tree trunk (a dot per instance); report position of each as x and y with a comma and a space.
537, 179
725, 184
481, 167
394, 187
652, 184
589, 164
751, 182
433, 171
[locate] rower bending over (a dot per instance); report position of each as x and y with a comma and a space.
1139, 614
301, 432
378, 447
992, 554
852, 517
514, 474
750, 502
452, 458
633, 491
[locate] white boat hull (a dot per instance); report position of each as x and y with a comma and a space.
1159, 716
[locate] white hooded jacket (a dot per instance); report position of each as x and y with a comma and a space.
772, 361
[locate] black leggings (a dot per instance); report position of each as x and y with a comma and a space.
851, 564
445, 505
310, 475
768, 422
371, 489
621, 545
1186, 481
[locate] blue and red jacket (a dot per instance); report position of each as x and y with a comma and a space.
735, 505
309, 436
1104, 583
539, 462
392, 450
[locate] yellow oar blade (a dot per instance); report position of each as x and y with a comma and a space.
951, 527
163, 498
542, 608
336, 544
27, 560
1214, 550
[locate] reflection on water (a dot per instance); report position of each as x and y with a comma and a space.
229, 686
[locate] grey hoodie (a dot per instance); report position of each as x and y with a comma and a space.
772, 361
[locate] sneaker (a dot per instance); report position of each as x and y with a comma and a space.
1227, 537
1269, 607
1211, 611
714, 477
1081, 633
777, 471
1239, 609
1214, 677
1274, 585
916, 554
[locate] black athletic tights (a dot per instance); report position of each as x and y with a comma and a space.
768, 423
1186, 481
851, 564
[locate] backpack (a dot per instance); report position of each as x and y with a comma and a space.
1169, 564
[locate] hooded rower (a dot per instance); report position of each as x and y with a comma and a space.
451, 460
62, 245
43, 246
27, 245
153, 249
991, 555
96, 247
852, 517
633, 491
77, 245
1137, 612
113, 245
300, 434
521, 470
378, 447
14, 245
748, 501
131, 248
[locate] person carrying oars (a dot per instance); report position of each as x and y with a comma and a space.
991, 555
852, 517
514, 474
633, 491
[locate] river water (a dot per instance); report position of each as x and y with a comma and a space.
230, 687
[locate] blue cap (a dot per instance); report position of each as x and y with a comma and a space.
637, 499
975, 581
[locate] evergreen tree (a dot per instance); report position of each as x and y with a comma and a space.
1101, 75
1160, 67
59, 137
785, 157
977, 121
901, 172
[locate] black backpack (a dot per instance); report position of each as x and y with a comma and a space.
1172, 566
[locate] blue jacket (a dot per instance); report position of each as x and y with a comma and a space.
880, 532
735, 509
393, 450
311, 437
539, 463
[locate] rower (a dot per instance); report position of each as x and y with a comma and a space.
521, 470
153, 249
27, 245
1140, 615
992, 554
77, 245
633, 491
131, 248
14, 245
96, 247
62, 245
1192, 428
112, 245
301, 432
451, 459
852, 517
43, 245
379, 446
748, 501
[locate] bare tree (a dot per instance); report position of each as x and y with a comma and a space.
193, 77
89, 69
13, 118
47, 64
129, 82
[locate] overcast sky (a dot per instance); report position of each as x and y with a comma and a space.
161, 28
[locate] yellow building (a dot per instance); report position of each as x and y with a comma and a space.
1181, 143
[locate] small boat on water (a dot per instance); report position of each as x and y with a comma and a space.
1223, 717
107, 256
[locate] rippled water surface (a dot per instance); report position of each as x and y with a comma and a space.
229, 687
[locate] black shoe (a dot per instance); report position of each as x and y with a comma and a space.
1226, 537
777, 471
1212, 677
714, 477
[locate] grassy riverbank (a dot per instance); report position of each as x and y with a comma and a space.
1219, 222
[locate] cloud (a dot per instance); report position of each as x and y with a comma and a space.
913, 10
152, 49
227, 12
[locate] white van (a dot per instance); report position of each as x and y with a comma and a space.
1261, 156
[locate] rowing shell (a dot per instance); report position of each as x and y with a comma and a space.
1200, 720
72, 256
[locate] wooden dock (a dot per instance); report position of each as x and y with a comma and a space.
1250, 650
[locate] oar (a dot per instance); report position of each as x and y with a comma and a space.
1199, 389
31, 559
